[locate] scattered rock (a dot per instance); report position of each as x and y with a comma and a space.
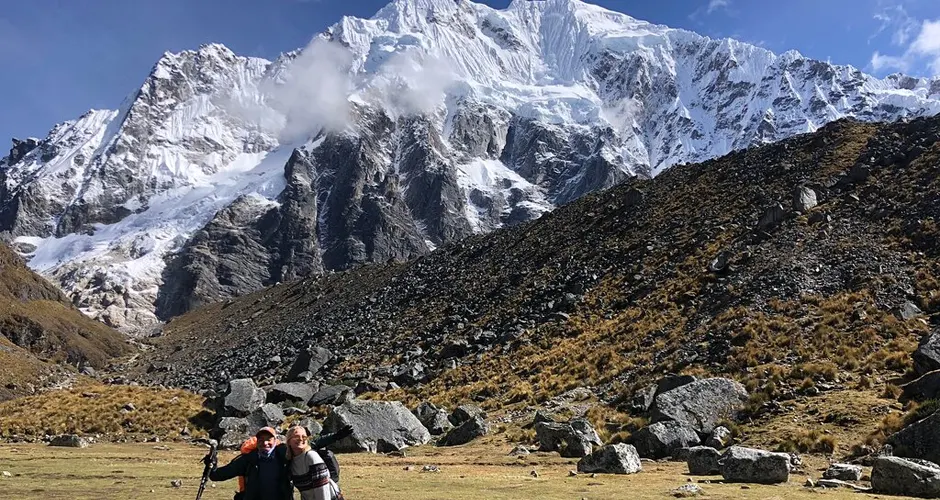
309, 360
69, 441
773, 216
845, 472
534, 473
572, 439
6, 473
700, 404
804, 199
663, 439
838, 483
176, 483
430, 468
909, 311
927, 355
465, 432
434, 418
703, 461
378, 426
688, 490
899, 476
519, 451
613, 459
749, 465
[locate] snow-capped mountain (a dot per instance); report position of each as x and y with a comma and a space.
387, 137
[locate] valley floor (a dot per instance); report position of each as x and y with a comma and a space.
112, 471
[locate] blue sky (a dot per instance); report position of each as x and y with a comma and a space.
63, 57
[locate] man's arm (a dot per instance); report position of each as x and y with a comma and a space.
325, 440
233, 469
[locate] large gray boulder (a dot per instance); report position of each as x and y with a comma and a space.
612, 459
331, 395
378, 426
433, 418
898, 476
309, 360
720, 438
242, 398
570, 439
927, 355
313, 427
700, 405
663, 439
804, 199
920, 439
69, 441
703, 461
293, 392
465, 432
268, 415
748, 465
465, 412
233, 431
670, 382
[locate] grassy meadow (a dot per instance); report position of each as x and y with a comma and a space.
484, 470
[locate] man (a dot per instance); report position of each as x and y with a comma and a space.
265, 470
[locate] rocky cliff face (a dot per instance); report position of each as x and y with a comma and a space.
222, 174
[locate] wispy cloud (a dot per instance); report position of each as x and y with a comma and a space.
896, 19
923, 49
714, 5
709, 9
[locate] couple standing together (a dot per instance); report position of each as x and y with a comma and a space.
270, 470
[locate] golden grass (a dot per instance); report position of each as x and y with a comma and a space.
93, 408
104, 472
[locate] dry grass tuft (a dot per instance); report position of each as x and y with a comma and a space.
100, 409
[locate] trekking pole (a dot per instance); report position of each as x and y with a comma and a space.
209, 459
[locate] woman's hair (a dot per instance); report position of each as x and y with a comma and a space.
296, 430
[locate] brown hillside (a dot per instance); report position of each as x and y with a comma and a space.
38, 318
674, 274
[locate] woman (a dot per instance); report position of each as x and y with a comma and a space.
308, 471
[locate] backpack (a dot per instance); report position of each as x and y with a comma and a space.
331, 463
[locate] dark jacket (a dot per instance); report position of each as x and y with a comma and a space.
247, 465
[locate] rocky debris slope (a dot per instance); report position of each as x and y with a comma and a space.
618, 287
224, 174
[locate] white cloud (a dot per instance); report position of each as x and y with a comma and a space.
882, 62
315, 92
717, 4
923, 49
